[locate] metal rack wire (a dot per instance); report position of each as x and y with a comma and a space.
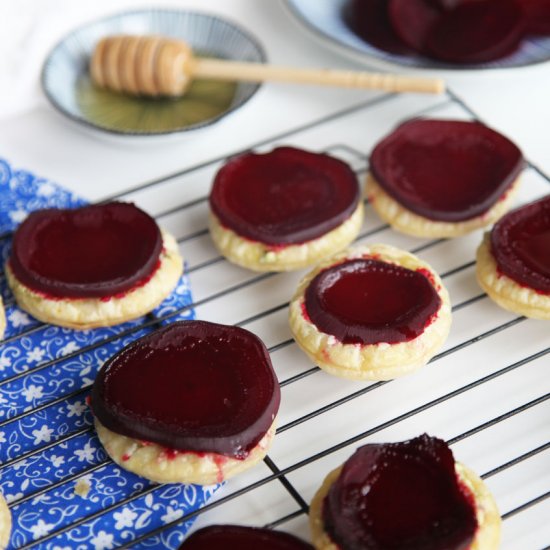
244, 281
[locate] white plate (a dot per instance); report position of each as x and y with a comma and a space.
324, 20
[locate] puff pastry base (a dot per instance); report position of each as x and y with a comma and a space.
88, 313
505, 291
262, 257
402, 219
2, 319
489, 523
150, 460
377, 361
5, 523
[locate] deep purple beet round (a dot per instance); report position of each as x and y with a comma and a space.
400, 496
448, 4
520, 244
237, 537
446, 170
90, 252
412, 20
190, 386
477, 32
287, 196
366, 301
537, 13
370, 20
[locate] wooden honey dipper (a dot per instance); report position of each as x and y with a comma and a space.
156, 66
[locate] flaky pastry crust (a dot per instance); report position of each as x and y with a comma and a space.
488, 518
505, 291
85, 313
263, 257
381, 361
402, 219
151, 461
2, 319
5, 523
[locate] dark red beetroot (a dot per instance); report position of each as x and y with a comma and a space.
191, 386
412, 20
449, 4
236, 537
400, 496
365, 301
370, 20
446, 170
476, 32
287, 196
91, 252
537, 13
520, 244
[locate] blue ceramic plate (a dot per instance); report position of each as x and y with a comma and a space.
67, 85
326, 22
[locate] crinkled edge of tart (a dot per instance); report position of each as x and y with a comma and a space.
5, 523
381, 361
406, 221
85, 313
505, 291
263, 257
152, 461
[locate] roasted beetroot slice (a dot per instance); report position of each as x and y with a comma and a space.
286, 196
191, 386
91, 252
400, 495
537, 15
477, 32
520, 244
446, 170
370, 20
243, 538
366, 301
412, 21
445, 4
449, 4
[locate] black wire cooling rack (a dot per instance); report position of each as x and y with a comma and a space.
486, 392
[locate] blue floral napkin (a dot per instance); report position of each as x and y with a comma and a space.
63, 491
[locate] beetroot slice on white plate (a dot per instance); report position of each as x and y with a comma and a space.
476, 32
412, 20
537, 13
369, 19
449, 4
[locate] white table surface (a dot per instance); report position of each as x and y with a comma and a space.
517, 103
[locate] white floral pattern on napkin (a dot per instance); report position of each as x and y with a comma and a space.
45, 372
